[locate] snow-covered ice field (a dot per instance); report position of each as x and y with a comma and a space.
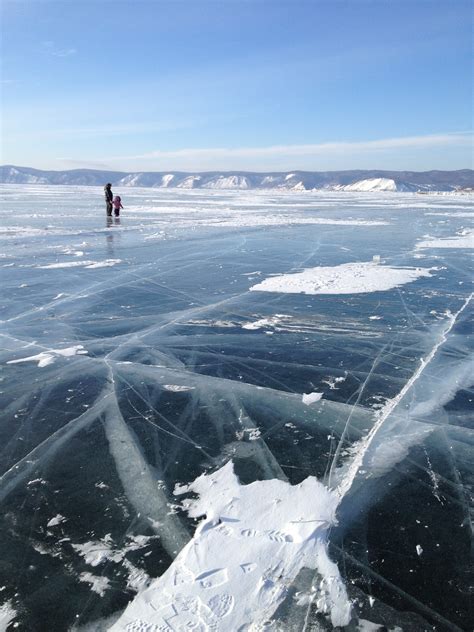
235, 411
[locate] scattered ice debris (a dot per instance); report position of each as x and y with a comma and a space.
84, 264
419, 550
250, 546
56, 520
306, 598
96, 552
177, 388
49, 357
464, 239
332, 381
251, 434
212, 323
347, 278
138, 579
159, 235
266, 322
104, 264
72, 251
98, 584
37, 481
310, 398
375, 317
44, 549
258, 324
7, 614
453, 214
282, 219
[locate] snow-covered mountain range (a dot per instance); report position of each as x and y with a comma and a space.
373, 180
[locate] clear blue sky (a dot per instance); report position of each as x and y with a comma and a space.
237, 84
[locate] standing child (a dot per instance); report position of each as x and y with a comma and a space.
117, 203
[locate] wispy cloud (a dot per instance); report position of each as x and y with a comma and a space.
268, 157
50, 48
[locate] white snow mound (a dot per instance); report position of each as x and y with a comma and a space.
249, 548
347, 278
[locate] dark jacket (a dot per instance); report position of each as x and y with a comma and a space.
109, 196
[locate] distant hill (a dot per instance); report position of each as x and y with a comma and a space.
357, 180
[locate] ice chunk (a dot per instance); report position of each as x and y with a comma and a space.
310, 398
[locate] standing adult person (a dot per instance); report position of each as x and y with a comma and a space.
109, 196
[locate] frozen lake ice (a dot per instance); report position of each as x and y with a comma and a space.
235, 411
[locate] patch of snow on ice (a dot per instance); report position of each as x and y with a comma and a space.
7, 614
265, 322
347, 278
107, 263
56, 520
137, 579
98, 584
84, 264
94, 553
464, 239
48, 357
250, 546
310, 398
332, 381
453, 214
254, 220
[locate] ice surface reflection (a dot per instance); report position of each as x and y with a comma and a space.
136, 357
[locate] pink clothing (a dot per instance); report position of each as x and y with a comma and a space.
117, 202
